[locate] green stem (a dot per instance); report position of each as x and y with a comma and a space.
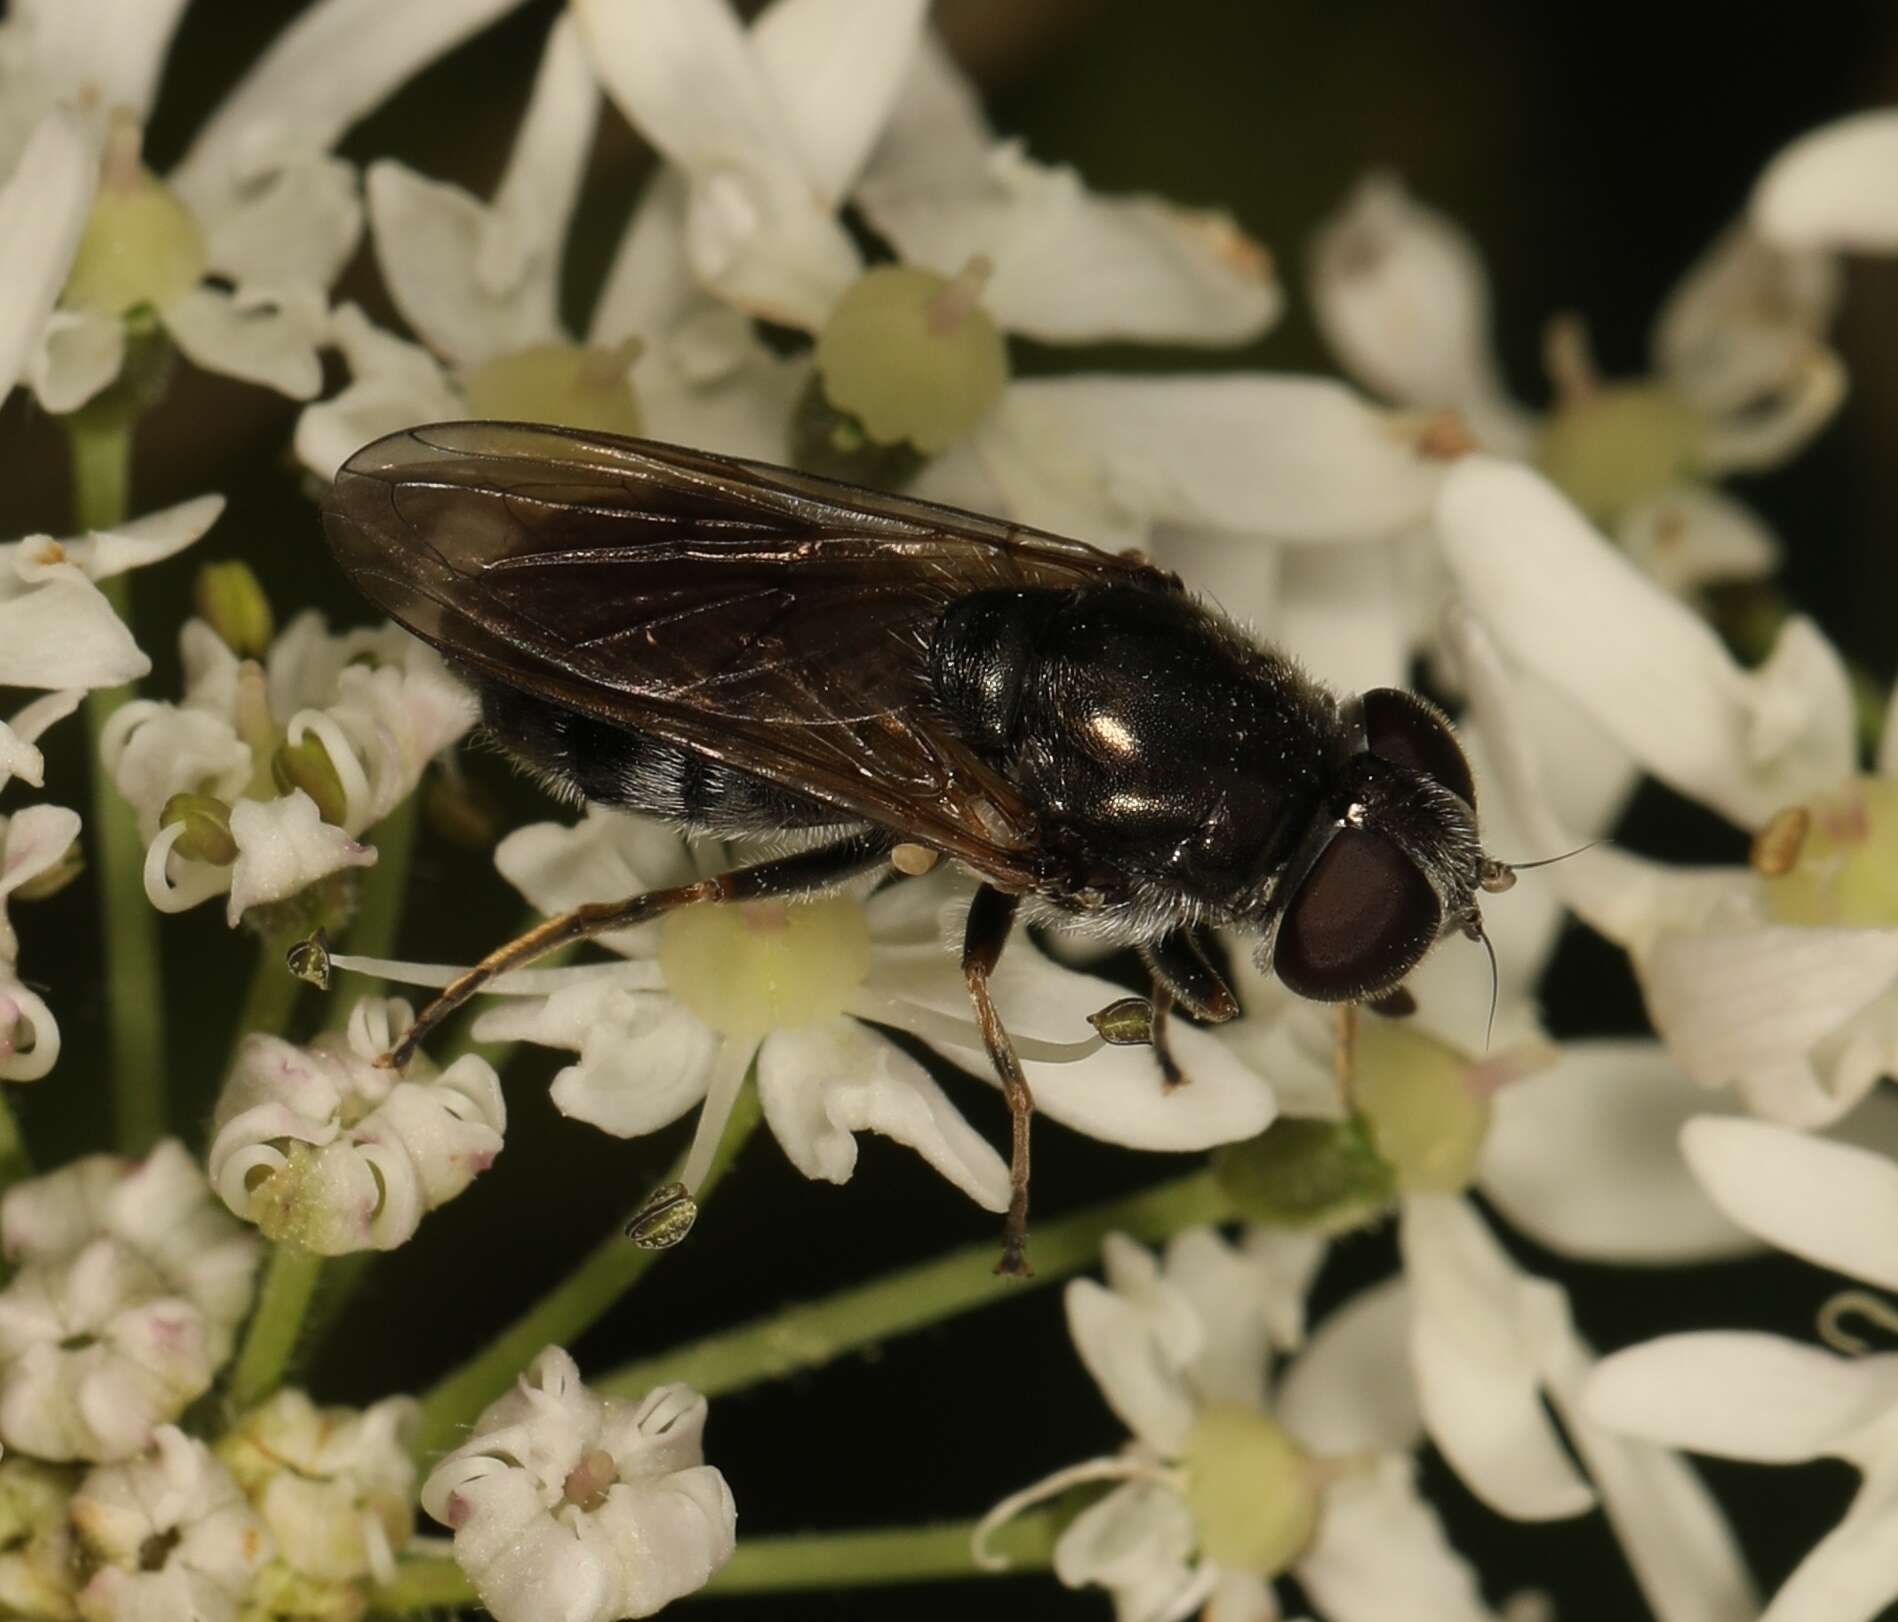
902, 1554
424, 1585
273, 993
801, 1560
385, 887
135, 1020
807, 1337
275, 1326
614, 1266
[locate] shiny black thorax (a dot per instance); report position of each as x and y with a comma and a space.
1173, 766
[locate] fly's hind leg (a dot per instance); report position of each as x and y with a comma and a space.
801, 873
990, 919
1183, 974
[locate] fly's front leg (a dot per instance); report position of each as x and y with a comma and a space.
1184, 974
802, 873
990, 919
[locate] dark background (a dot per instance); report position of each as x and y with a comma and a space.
1593, 150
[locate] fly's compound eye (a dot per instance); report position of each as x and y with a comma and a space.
1359, 921
1410, 731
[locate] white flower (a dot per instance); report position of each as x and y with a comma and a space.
56, 628
797, 989
321, 1147
1229, 1482
478, 283
128, 1289
1761, 1397
335, 1486
1742, 377
1780, 979
587, 1508
350, 718
39, 1571
257, 203
171, 1535
31, 842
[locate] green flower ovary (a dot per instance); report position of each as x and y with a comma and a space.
1252, 1490
1616, 447
759, 966
1846, 871
558, 383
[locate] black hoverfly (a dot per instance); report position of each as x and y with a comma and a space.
747, 649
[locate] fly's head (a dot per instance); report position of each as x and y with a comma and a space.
1392, 860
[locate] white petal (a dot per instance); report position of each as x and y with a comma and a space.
1670, 1526
819, 1084
533, 205
256, 342
685, 76
43, 209
1401, 296
297, 227
837, 66
1742, 1396
1564, 604
428, 237
1848, 1576
1481, 1335
1832, 187
283, 845
1750, 1006
1691, 536
1380, 1553
1146, 1389
61, 632
139, 541
1605, 1115
339, 59
650, 288
1074, 267
31, 841
1743, 321
98, 55
605, 855
744, 413
18, 757
1136, 1542
1345, 614
79, 353
1292, 458
1832, 1204
1350, 1390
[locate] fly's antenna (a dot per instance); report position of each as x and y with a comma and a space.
1495, 981
1498, 876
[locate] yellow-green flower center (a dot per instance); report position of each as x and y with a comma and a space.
759, 966
1417, 1098
1252, 1490
558, 383
1616, 446
912, 356
141, 248
1844, 871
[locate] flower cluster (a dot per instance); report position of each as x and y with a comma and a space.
836, 262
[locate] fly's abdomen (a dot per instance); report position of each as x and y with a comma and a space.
586, 759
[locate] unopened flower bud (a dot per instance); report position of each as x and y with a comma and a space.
230, 600
307, 765
912, 355
1323, 1176
207, 835
141, 248
559, 383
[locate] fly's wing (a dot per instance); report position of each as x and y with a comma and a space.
774, 621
